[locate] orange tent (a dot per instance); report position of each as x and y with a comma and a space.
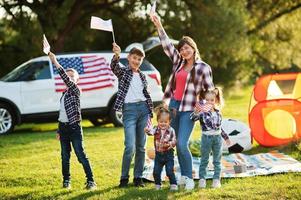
275, 109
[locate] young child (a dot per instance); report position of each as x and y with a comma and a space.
210, 119
164, 141
136, 105
70, 130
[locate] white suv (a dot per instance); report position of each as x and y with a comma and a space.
32, 91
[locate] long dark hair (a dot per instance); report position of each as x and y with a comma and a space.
189, 41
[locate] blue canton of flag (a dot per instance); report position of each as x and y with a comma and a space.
94, 72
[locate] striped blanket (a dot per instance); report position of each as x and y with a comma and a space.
258, 164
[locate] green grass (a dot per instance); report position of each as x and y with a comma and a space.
30, 166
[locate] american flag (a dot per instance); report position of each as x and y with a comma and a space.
46, 46
94, 72
203, 106
149, 124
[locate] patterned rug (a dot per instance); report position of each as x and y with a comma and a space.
254, 165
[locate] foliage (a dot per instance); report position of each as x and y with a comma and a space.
241, 40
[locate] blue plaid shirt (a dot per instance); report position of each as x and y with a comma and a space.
125, 75
71, 99
210, 121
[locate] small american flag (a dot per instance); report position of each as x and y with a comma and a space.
149, 124
205, 107
46, 46
94, 72
153, 8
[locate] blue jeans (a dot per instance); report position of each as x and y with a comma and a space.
167, 159
135, 117
72, 134
211, 143
183, 126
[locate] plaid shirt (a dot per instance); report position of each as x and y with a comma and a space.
125, 75
210, 121
71, 99
203, 75
168, 136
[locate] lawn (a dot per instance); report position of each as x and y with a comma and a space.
30, 166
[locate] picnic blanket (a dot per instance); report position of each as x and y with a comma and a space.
258, 164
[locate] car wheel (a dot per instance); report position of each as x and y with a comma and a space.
116, 117
7, 122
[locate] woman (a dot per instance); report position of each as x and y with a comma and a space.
190, 77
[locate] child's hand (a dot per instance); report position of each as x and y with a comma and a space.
228, 142
147, 131
166, 145
58, 136
116, 49
52, 57
156, 20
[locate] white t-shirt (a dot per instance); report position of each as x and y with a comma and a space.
135, 92
63, 115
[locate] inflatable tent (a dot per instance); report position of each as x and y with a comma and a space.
275, 109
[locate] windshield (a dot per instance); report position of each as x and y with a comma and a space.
16, 73
29, 71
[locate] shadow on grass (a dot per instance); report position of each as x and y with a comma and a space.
92, 193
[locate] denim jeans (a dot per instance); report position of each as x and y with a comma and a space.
72, 134
183, 126
167, 159
211, 143
135, 117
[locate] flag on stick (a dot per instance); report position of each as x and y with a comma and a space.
153, 9
46, 46
100, 24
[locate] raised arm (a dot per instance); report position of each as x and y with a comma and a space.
167, 45
69, 83
115, 66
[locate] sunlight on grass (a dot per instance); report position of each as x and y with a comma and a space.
30, 165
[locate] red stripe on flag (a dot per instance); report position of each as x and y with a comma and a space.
86, 83
88, 89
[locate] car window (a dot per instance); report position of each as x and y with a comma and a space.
30, 71
145, 66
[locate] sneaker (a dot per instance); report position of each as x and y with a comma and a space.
67, 184
173, 187
182, 181
202, 183
138, 182
216, 183
189, 184
123, 183
158, 187
91, 185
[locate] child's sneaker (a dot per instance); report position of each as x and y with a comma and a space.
67, 184
123, 183
189, 184
91, 185
174, 187
158, 187
202, 183
216, 183
182, 181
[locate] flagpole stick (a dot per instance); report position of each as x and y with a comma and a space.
113, 34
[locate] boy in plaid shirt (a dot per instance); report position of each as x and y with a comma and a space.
70, 130
134, 100
164, 141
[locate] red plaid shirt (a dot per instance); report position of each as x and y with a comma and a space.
203, 75
164, 137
